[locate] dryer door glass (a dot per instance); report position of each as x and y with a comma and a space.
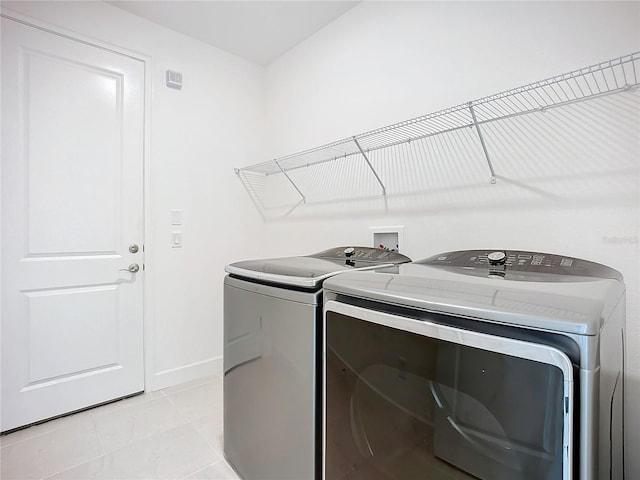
411, 399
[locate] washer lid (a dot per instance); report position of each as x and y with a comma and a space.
575, 304
309, 271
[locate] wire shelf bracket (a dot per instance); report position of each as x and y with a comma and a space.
484, 145
366, 159
284, 172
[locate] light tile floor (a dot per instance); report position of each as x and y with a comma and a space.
174, 433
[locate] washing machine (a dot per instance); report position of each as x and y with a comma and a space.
476, 364
272, 323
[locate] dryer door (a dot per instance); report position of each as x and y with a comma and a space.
408, 398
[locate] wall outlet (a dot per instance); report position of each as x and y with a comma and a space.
390, 238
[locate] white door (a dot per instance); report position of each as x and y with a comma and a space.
72, 203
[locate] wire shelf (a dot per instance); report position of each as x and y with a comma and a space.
606, 78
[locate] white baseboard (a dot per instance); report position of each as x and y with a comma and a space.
186, 373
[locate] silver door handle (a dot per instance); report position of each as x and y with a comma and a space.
133, 268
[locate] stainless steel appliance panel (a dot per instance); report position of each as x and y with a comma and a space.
408, 398
269, 383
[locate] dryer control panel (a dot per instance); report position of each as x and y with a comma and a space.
527, 265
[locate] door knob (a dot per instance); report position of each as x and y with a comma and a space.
133, 248
133, 268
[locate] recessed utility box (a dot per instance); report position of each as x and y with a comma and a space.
389, 238
174, 79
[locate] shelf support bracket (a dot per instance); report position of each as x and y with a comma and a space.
366, 159
304, 199
484, 146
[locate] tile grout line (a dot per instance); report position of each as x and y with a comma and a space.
89, 411
198, 432
184, 420
93, 415
38, 435
213, 449
199, 470
107, 454
71, 468
104, 450
194, 384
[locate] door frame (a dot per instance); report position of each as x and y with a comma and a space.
147, 304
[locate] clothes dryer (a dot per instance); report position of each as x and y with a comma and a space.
492, 365
272, 325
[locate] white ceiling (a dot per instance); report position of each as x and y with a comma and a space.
259, 31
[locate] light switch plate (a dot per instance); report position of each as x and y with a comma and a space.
176, 217
176, 239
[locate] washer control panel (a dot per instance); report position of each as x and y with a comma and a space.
364, 254
522, 262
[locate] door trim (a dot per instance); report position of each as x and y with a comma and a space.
147, 305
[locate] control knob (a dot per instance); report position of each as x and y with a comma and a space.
349, 251
497, 258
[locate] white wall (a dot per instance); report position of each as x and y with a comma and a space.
573, 193
198, 135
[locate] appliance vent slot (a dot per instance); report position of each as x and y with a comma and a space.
174, 79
